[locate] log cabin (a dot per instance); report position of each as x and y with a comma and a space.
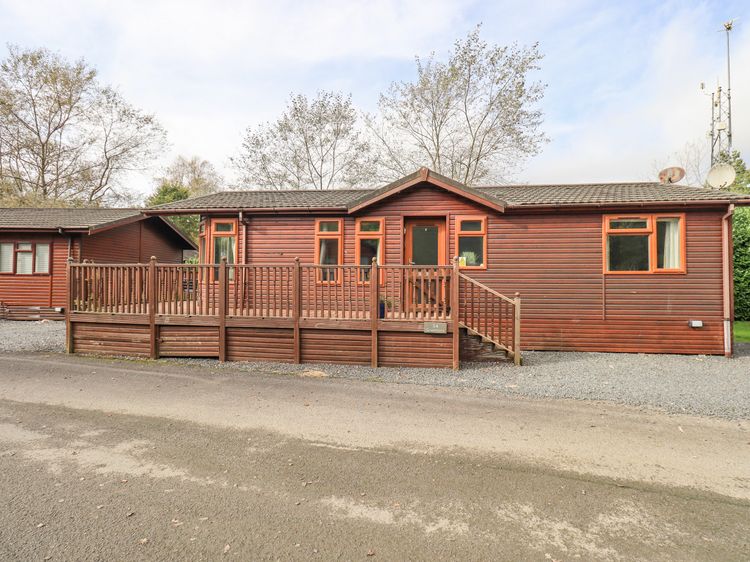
35, 244
426, 271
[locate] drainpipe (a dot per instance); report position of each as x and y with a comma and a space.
727, 280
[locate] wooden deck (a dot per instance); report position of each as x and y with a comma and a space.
413, 316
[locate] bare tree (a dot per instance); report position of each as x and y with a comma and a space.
473, 118
195, 174
64, 136
694, 157
315, 144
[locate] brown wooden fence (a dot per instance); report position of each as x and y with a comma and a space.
406, 298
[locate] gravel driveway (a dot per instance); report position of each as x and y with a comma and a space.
711, 386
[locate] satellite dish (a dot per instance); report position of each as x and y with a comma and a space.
671, 175
721, 176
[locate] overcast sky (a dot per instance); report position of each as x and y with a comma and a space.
622, 76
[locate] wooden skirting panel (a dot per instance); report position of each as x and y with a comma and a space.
414, 349
111, 339
260, 344
188, 341
335, 346
29, 313
628, 336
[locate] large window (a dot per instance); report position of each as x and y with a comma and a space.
369, 244
218, 239
471, 241
644, 243
329, 248
25, 258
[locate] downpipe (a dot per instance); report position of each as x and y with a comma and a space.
727, 280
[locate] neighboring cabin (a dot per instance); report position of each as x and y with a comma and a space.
631, 267
35, 244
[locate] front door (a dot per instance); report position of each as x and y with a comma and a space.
425, 245
424, 242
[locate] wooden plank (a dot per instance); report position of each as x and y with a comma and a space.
374, 312
296, 308
223, 298
69, 343
455, 315
517, 330
154, 346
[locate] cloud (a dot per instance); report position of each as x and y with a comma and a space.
623, 80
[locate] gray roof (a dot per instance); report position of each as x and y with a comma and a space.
88, 220
67, 219
518, 196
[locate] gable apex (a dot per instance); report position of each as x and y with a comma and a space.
425, 175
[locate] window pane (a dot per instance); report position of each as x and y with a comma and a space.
627, 253
472, 249
23, 262
42, 258
668, 251
424, 245
369, 226
24, 246
328, 226
328, 255
628, 223
224, 227
6, 258
202, 251
471, 226
224, 248
368, 248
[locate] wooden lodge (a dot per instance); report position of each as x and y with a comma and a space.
424, 272
36, 243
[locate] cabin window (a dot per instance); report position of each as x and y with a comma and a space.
471, 241
329, 248
218, 239
370, 240
24, 258
644, 244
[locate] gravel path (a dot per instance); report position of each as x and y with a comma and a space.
710, 386
45, 335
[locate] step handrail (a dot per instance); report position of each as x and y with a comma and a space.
486, 288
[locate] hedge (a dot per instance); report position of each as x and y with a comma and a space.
742, 263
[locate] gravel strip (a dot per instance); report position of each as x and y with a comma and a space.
45, 335
684, 384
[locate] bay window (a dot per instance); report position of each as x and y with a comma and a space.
649, 243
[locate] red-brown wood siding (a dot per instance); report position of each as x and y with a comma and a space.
38, 290
133, 243
555, 261
111, 339
188, 341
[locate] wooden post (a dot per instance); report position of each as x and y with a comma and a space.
297, 308
223, 295
455, 315
517, 329
374, 312
152, 305
69, 306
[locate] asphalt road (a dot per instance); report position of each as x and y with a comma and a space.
124, 460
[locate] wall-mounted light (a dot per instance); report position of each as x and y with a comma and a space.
695, 323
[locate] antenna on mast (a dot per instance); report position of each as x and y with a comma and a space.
721, 110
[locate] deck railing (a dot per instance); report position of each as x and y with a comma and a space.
343, 292
491, 315
297, 293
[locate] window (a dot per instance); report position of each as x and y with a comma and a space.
24, 258
644, 244
370, 239
471, 242
6, 257
329, 248
218, 239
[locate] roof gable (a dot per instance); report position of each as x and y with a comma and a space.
425, 175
